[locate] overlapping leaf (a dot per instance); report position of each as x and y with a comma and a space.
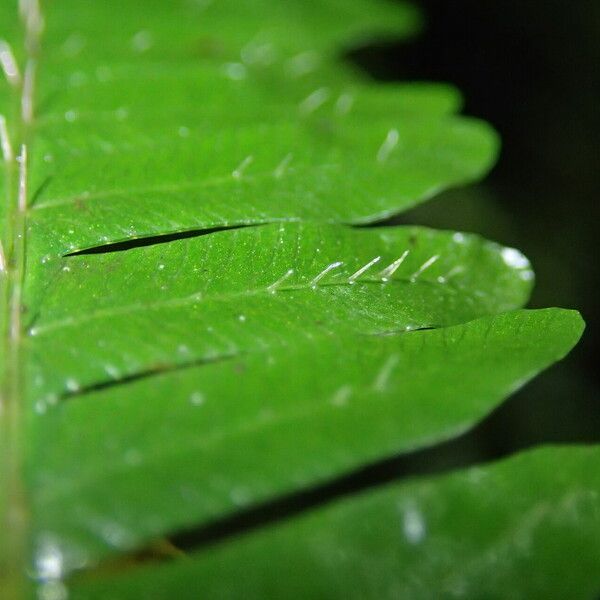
516, 529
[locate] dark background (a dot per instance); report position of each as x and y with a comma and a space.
532, 70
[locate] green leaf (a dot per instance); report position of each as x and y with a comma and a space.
202, 29
151, 181
232, 143
527, 527
254, 427
218, 296
192, 321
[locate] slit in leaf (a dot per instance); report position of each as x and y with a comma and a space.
122, 246
153, 372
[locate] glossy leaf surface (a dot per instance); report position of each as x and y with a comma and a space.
180, 140
498, 531
206, 325
251, 427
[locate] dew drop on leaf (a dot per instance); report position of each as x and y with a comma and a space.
197, 398
413, 525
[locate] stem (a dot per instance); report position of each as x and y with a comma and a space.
14, 517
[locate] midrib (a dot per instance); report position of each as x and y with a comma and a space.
14, 506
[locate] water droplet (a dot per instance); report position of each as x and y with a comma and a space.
385, 372
242, 318
413, 525
72, 385
132, 457
71, 116
314, 101
49, 562
240, 496
112, 371
344, 104
341, 396
513, 258
235, 71
122, 113
388, 146
238, 172
302, 64
115, 535
197, 398
142, 41
73, 45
